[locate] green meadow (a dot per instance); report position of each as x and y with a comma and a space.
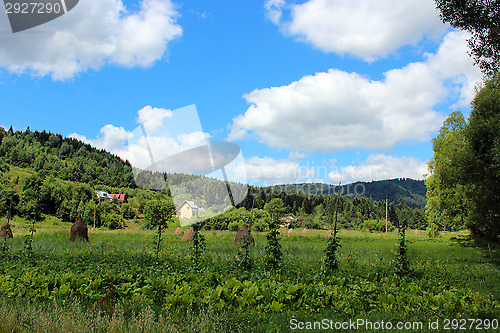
114, 283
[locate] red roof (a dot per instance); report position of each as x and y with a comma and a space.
287, 219
119, 196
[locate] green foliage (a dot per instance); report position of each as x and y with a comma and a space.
402, 191
402, 264
259, 225
332, 252
376, 225
273, 246
114, 220
127, 211
482, 170
246, 262
451, 281
64, 158
447, 204
464, 185
235, 225
28, 240
275, 208
480, 18
199, 244
158, 214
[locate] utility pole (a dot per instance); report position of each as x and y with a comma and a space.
386, 213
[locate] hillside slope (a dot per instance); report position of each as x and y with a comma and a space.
400, 190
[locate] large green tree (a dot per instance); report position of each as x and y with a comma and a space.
464, 185
158, 213
482, 19
482, 170
446, 207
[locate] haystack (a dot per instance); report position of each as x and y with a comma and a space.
240, 236
290, 231
5, 230
179, 231
188, 235
304, 231
79, 228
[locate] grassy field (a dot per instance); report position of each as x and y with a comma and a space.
114, 284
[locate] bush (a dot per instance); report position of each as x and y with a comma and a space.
235, 225
259, 225
114, 221
127, 211
376, 226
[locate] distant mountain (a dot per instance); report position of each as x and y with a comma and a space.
399, 190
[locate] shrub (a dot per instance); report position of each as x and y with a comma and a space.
127, 211
235, 225
376, 226
259, 225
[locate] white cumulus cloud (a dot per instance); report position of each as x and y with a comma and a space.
365, 28
158, 143
380, 167
269, 171
335, 110
152, 118
93, 33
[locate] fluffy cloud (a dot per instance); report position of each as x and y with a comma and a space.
379, 167
94, 33
365, 28
269, 171
152, 118
140, 150
334, 110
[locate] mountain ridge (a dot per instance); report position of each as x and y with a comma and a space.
406, 191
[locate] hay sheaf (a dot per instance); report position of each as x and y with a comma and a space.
188, 235
5, 230
304, 231
79, 229
240, 236
290, 231
179, 231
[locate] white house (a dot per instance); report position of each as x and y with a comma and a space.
187, 209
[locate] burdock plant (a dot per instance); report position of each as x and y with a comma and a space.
333, 245
402, 264
246, 261
199, 244
28, 241
331, 252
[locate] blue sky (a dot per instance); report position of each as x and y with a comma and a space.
319, 90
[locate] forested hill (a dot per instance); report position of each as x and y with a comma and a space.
400, 190
64, 158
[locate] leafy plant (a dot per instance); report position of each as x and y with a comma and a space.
331, 251
246, 261
402, 263
28, 240
199, 244
159, 213
273, 247
333, 245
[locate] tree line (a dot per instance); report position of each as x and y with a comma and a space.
463, 189
64, 158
